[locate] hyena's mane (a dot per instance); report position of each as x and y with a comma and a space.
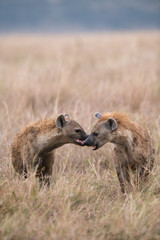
122, 120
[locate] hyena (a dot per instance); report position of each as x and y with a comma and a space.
132, 145
34, 147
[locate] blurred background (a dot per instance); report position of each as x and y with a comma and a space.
75, 16
59, 55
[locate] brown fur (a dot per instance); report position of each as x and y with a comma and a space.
133, 147
34, 147
25, 152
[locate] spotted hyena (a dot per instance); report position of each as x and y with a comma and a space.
34, 146
132, 145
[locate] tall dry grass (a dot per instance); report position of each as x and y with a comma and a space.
41, 76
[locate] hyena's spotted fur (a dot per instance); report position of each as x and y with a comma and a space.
34, 147
132, 145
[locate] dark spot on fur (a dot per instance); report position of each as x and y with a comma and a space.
126, 149
32, 130
135, 140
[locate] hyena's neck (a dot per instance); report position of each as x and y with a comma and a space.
49, 140
124, 140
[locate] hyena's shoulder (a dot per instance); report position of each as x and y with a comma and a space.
33, 129
29, 134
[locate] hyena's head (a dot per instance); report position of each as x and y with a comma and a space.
103, 132
71, 130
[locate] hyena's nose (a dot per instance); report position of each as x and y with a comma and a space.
87, 142
86, 136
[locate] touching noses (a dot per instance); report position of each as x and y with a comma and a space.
86, 136
88, 142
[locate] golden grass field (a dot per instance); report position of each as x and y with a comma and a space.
41, 76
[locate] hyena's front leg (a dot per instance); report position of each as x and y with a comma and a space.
44, 165
144, 170
38, 164
120, 160
123, 177
48, 162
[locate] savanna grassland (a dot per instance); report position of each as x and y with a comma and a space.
41, 76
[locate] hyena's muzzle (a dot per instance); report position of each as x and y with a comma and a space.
81, 139
90, 142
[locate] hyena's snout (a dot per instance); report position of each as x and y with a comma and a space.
84, 136
88, 142
80, 140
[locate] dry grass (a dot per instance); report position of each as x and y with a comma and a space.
80, 75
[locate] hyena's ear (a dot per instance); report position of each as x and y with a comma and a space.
60, 121
67, 117
111, 124
98, 115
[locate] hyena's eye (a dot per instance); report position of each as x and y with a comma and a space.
77, 130
95, 134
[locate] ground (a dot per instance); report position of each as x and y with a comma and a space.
41, 76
